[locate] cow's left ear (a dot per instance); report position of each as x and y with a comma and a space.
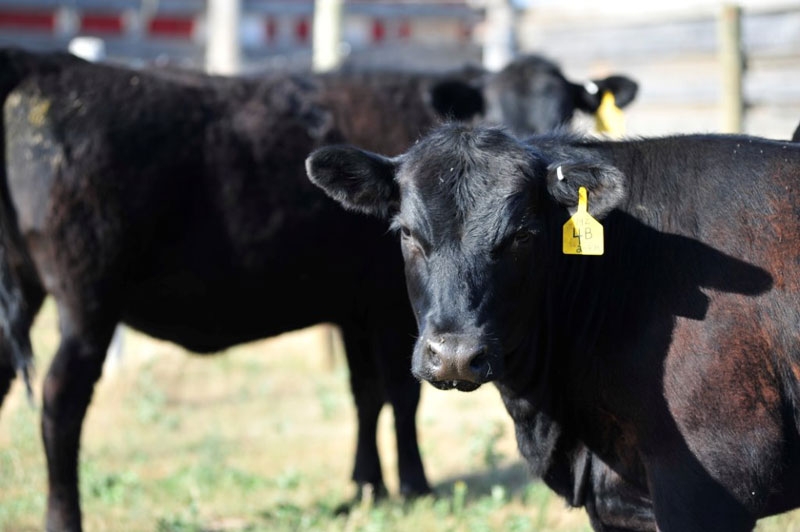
359, 180
604, 183
589, 95
453, 99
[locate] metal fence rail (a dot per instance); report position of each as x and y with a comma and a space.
274, 33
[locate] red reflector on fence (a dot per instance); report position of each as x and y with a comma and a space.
171, 27
101, 23
28, 20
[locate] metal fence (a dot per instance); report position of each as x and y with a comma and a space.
274, 33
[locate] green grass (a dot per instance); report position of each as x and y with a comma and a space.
261, 439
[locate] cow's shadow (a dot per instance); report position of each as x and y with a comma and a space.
514, 478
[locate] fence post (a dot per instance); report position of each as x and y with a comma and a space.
732, 64
327, 35
223, 48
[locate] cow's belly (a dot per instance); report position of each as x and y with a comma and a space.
205, 316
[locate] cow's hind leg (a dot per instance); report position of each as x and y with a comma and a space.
367, 389
67, 392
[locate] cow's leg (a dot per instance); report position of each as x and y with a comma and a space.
404, 394
67, 391
687, 499
367, 389
403, 390
614, 504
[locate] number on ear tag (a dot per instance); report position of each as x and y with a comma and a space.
583, 235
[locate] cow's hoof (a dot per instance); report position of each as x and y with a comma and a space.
366, 495
410, 491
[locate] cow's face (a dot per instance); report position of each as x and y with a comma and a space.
532, 96
476, 212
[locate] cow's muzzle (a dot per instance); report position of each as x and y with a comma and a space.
453, 361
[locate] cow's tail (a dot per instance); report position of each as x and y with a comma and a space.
14, 323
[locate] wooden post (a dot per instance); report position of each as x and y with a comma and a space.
223, 50
731, 61
327, 35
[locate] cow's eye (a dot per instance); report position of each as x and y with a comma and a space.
513, 243
405, 231
522, 237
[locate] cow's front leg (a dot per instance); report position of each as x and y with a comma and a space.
614, 504
67, 391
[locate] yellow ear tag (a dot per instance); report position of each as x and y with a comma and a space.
583, 235
609, 118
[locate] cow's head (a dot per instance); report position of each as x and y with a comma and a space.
479, 215
531, 96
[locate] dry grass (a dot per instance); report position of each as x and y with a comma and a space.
260, 438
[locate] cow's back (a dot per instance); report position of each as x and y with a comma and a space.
384, 112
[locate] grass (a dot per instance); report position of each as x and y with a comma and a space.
261, 438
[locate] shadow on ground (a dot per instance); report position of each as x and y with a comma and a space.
514, 478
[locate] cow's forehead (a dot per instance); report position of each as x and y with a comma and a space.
459, 159
459, 175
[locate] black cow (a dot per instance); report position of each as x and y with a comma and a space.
673, 357
176, 203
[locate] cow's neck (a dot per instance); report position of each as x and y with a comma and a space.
591, 316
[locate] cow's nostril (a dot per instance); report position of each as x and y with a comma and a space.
434, 355
479, 363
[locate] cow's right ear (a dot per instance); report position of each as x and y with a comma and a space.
454, 99
359, 180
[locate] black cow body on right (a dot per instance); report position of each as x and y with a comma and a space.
673, 358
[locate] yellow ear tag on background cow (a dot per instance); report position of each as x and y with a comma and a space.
583, 235
609, 118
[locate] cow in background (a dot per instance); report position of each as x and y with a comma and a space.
529, 96
176, 203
